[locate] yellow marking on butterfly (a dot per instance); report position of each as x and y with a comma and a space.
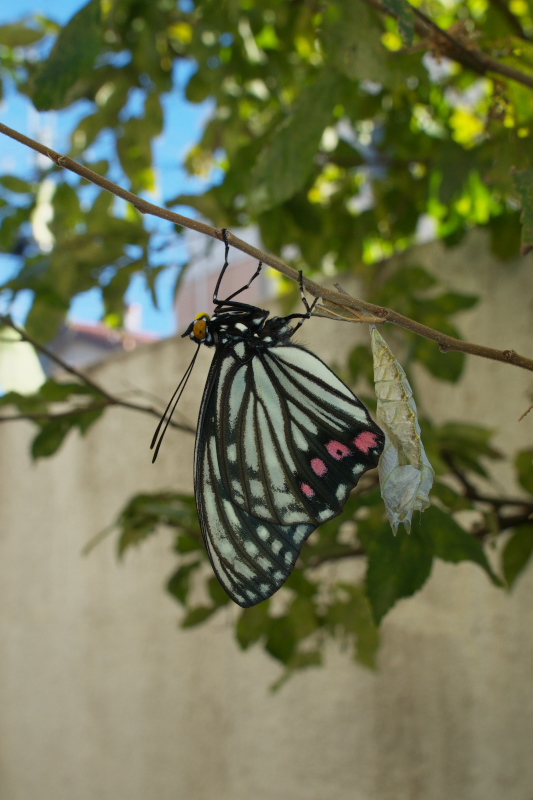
200, 326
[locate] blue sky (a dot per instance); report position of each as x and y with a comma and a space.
183, 127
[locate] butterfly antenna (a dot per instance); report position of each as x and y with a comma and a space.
164, 422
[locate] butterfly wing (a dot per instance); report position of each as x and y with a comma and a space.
281, 442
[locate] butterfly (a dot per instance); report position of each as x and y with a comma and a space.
280, 444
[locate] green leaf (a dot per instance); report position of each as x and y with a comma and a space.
19, 35
360, 364
450, 498
523, 183
350, 616
452, 302
11, 228
352, 40
398, 566
67, 211
403, 11
304, 659
54, 392
300, 660
445, 366
517, 553
367, 632
284, 166
45, 318
524, 467
505, 231
84, 420
179, 583
187, 544
153, 114
134, 149
414, 279
300, 584
217, 593
198, 89
253, 624
143, 514
14, 184
49, 440
133, 533
468, 437
208, 204
452, 543
196, 616
281, 639
72, 58
303, 616
465, 444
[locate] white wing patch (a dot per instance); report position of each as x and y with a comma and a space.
235, 398
304, 360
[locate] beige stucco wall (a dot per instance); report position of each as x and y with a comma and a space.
103, 696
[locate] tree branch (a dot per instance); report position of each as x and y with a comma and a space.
383, 314
454, 49
504, 524
110, 399
482, 532
336, 555
470, 491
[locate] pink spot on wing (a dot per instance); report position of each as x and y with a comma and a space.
338, 450
318, 467
365, 441
307, 490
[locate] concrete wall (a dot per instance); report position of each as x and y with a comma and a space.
103, 696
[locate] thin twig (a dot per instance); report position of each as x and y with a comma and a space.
526, 412
445, 343
336, 555
471, 493
44, 416
6, 320
111, 400
504, 524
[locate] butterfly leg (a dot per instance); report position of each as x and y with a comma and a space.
308, 308
228, 300
216, 301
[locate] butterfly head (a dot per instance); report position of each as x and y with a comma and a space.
199, 331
